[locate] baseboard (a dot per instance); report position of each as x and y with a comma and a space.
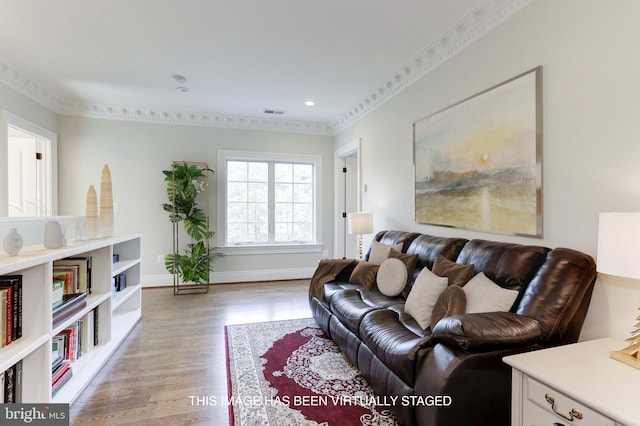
166, 280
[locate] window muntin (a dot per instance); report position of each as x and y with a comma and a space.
270, 201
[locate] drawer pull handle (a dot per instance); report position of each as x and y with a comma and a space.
573, 414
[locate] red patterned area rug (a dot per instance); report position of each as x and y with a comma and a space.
289, 373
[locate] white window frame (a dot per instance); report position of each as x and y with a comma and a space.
292, 247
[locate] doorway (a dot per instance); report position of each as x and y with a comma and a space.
28, 155
348, 199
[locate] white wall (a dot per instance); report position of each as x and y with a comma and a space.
591, 160
138, 152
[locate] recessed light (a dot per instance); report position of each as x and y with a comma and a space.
182, 89
309, 103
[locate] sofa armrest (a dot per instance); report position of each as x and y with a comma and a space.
486, 331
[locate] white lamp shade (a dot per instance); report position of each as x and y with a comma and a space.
360, 223
619, 244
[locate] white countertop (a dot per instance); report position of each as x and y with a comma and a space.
584, 371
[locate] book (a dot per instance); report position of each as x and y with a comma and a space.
61, 381
57, 291
61, 376
95, 327
18, 382
83, 265
7, 313
65, 275
15, 283
89, 263
9, 384
72, 303
3, 318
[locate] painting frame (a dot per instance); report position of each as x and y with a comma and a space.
478, 163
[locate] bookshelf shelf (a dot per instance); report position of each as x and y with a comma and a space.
109, 316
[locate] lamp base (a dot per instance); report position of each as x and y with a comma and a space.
625, 358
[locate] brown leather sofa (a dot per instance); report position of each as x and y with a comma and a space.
454, 375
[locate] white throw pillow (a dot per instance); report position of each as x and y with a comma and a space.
483, 295
423, 295
380, 252
392, 277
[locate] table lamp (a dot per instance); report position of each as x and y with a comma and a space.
360, 224
619, 254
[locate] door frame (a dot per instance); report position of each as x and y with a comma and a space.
8, 119
339, 226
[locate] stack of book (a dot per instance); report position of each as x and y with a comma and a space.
10, 309
61, 373
68, 346
71, 284
11, 384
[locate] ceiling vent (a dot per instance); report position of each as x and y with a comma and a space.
273, 111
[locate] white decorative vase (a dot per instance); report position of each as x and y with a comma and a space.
106, 203
92, 213
53, 235
12, 242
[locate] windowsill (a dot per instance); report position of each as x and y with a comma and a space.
269, 249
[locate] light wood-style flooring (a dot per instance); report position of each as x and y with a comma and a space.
177, 352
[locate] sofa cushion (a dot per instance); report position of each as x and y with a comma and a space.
364, 274
423, 296
509, 265
483, 295
452, 301
458, 274
392, 277
380, 252
349, 309
332, 288
398, 346
428, 247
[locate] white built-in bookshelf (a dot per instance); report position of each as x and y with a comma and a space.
117, 312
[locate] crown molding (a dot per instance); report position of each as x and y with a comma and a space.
468, 29
29, 87
151, 115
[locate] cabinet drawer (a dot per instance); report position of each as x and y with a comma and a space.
557, 408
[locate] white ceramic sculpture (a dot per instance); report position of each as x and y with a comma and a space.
12, 243
53, 235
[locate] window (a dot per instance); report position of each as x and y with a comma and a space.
268, 199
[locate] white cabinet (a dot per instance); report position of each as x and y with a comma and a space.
576, 384
114, 314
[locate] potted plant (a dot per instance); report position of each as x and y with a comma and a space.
184, 183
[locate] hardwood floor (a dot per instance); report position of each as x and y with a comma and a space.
177, 352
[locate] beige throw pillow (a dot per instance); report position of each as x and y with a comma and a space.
392, 277
423, 295
380, 252
483, 295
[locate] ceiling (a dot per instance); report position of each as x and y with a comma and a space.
119, 58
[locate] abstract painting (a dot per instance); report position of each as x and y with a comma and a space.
478, 163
